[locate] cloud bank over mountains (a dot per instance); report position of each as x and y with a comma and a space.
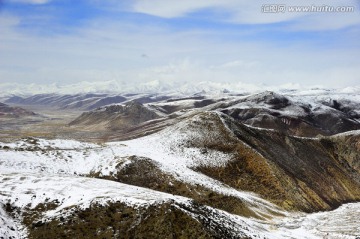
45, 42
245, 12
165, 87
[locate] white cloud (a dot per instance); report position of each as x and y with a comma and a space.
31, 1
238, 64
247, 12
114, 52
170, 9
318, 22
106, 50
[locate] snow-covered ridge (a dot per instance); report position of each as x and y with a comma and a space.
165, 148
73, 190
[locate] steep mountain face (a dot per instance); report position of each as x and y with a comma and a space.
347, 147
116, 117
7, 111
290, 171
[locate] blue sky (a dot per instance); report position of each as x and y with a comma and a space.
132, 42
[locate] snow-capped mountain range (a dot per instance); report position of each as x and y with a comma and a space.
160, 86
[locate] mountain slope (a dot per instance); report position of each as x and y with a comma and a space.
59, 206
76, 101
88, 101
298, 113
7, 111
116, 117
289, 171
294, 115
293, 170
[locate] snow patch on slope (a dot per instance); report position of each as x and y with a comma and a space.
341, 223
9, 228
30, 190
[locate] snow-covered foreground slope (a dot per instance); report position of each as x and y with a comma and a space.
52, 179
27, 191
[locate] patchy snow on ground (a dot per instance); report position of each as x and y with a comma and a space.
81, 159
29, 190
36, 171
342, 223
165, 148
42, 144
9, 228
